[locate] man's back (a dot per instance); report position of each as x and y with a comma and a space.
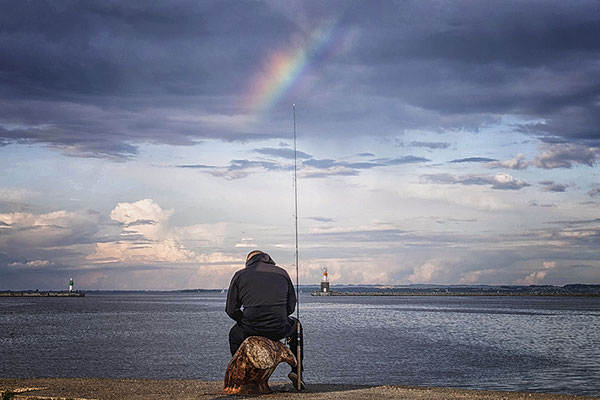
265, 292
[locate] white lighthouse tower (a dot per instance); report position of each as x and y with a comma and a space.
70, 285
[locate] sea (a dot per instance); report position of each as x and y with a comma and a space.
523, 343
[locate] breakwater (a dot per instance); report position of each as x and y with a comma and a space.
333, 293
579, 290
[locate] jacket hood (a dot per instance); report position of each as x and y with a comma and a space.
260, 257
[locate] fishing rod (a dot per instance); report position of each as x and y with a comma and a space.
298, 327
296, 215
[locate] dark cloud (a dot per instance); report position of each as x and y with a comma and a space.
238, 168
407, 160
379, 235
555, 155
326, 167
402, 160
283, 153
565, 155
592, 221
353, 168
196, 166
447, 179
5, 260
366, 155
551, 186
518, 61
594, 192
321, 219
536, 204
430, 145
455, 220
327, 173
499, 181
578, 235
321, 164
548, 139
44, 237
237, 165
361, 165
97, 79
139, 222
473, 159
328, 163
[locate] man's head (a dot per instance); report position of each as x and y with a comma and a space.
252, 254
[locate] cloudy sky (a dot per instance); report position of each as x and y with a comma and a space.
149, 145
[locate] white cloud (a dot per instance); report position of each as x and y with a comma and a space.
135, 252
201, 235
425, 273
536, 277
34, 263
22, 231
147, 238
470, 197
14, 194
517, 163
246, 243
355, 270
506, 181
473, 277
532, 279
308, 172
143, 217
501, 181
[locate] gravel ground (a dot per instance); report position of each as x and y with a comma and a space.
108, 389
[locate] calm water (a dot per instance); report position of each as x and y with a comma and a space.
508, 343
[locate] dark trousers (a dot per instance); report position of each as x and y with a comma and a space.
237, 335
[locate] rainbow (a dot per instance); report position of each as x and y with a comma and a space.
283, 70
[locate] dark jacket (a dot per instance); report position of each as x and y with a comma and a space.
266, 293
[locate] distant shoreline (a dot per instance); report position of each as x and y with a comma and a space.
42, 294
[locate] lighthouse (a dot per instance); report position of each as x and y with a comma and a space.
70, 285
324, 281
324, 285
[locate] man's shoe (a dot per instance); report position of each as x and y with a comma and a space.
294, 378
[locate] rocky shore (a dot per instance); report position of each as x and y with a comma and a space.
137, 389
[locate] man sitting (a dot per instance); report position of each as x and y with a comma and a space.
260, 299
